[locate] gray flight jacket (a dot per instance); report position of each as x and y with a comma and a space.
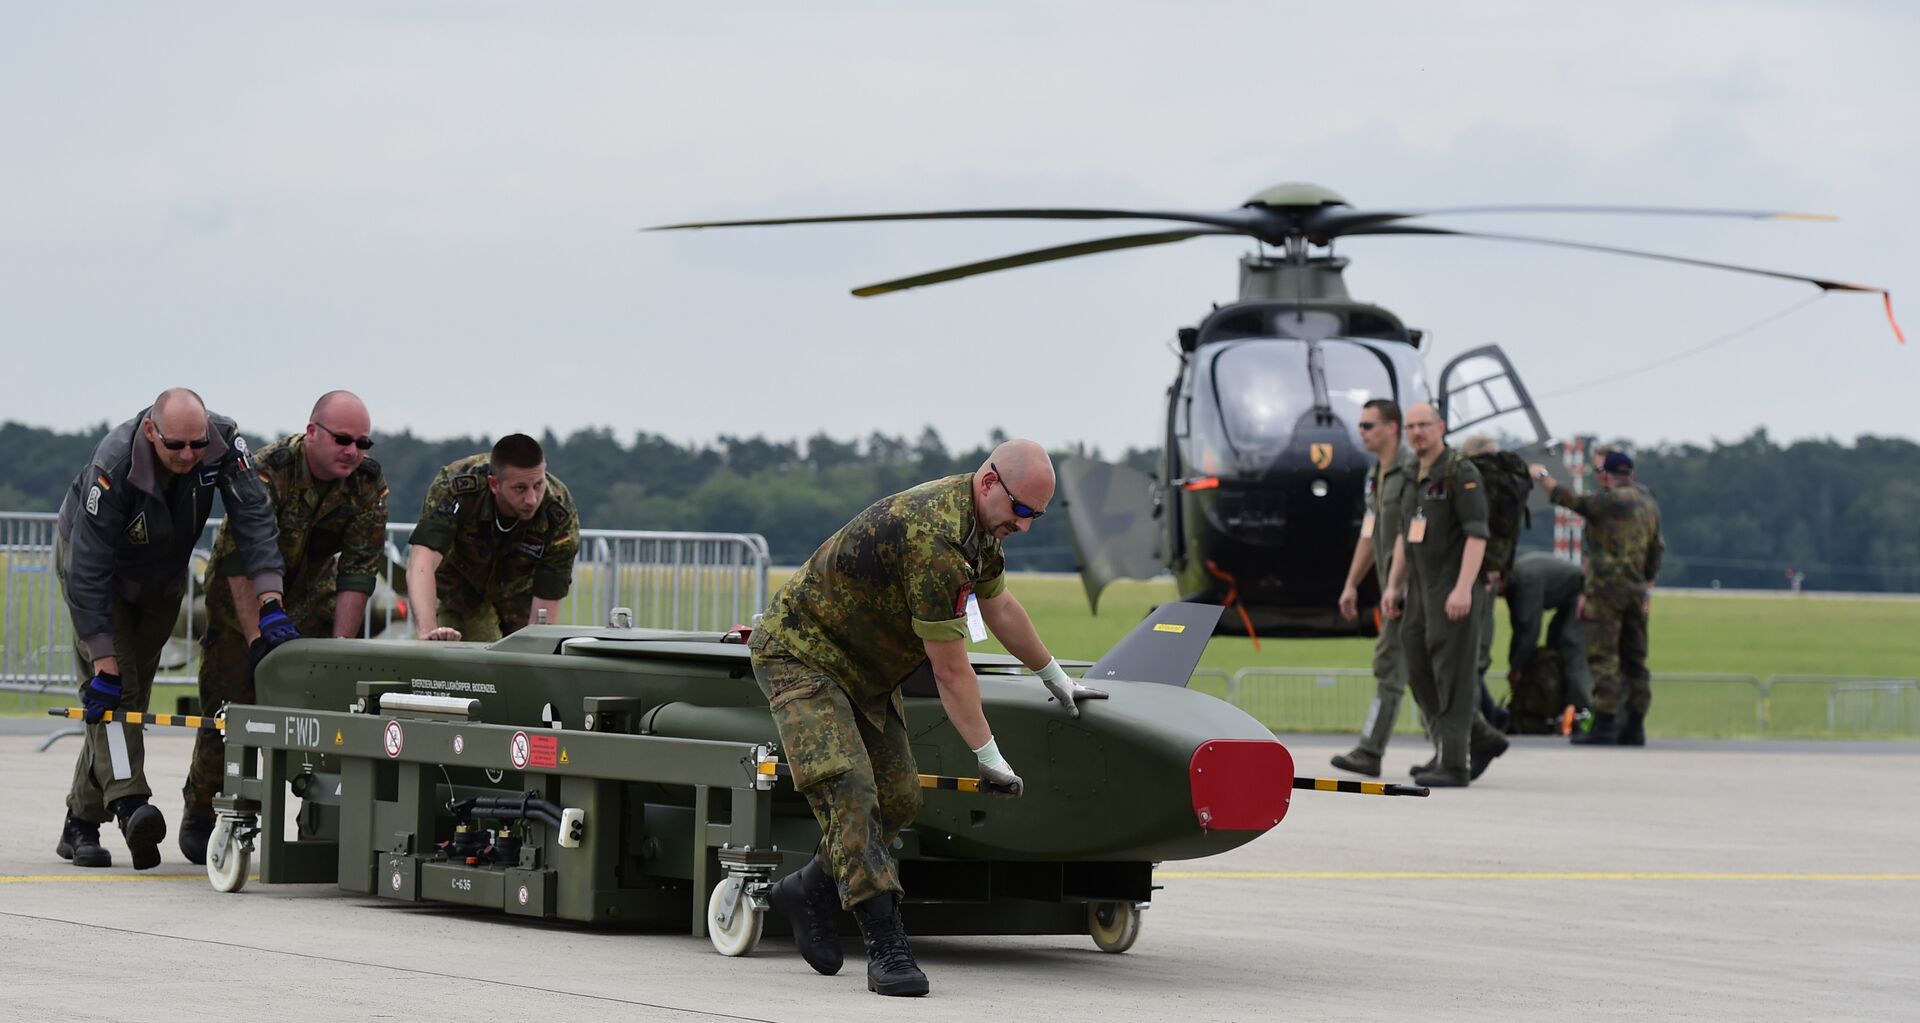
130, 529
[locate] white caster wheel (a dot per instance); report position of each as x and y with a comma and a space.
228, 859
1115, 926
733, 924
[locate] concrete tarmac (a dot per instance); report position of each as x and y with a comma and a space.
1683, 881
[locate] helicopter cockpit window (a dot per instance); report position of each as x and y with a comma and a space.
1263, 390
1356, 375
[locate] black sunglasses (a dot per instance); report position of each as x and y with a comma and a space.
344, 439
1020, 509
177, 445
1365, 426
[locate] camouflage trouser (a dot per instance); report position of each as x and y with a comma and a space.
860, 780
1390, 686
1616, 628
140, 632
223, 680
1440, 657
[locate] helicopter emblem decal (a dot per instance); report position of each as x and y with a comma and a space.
1321, 454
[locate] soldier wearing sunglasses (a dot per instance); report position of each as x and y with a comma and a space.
906, 584
126, 535
330, 503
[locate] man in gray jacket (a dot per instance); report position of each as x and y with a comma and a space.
126, 536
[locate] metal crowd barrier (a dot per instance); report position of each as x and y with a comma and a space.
693, 581
1732, 706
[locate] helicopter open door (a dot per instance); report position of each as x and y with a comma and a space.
1480, 393
1113, 514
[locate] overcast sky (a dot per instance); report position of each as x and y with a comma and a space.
436, 205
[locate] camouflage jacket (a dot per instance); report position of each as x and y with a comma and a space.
1622, 548
317, 519
533, 558
899, 574
130, 526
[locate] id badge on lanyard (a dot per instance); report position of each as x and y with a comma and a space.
1417, 527
976, 625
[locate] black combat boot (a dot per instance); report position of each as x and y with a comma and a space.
1603, 733
1432, 763
1359, 762
890, 966
1482, 751
1633, 732
810, 901
196, 826
80, 842
143, 827
1443, 778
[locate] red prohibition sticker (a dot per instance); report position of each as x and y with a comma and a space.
517, 750
395, 738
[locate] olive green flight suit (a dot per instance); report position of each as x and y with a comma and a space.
1386, 490
836, 642
1442, 507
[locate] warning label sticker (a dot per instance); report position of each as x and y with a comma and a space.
517, 751
395, 738
546, 751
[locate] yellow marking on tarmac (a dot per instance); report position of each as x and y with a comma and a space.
92, 878
1514, 875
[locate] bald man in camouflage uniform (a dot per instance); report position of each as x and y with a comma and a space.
910, 580
1621, 554
330, 504
495, 545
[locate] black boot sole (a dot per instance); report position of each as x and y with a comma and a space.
792, 904
899, 988
144, 829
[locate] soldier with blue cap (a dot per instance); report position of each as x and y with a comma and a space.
1621, 554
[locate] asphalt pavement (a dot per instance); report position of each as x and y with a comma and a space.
1684, 881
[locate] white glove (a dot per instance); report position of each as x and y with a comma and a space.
1065, 689
996, 773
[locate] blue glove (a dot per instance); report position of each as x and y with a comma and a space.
275, 626
99, 695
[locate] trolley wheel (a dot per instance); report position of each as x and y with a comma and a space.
1115, 926
741, 933
228, 858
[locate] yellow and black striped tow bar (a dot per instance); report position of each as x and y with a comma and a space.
134, 717
1364, 788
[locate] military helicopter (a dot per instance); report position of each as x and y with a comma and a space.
1258, 502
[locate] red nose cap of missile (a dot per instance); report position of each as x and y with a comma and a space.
1240, 784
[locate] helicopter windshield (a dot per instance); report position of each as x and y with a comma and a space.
1263, 389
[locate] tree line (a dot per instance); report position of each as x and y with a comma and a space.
1740, 514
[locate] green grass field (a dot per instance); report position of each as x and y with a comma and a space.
1690, 635
1746, 640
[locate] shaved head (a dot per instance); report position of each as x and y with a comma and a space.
337, 424
173, 395
337, 401
179, 416
1018, 471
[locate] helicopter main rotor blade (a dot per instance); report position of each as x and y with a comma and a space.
954, 273
1239, 221
1823, 283
1335, 222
